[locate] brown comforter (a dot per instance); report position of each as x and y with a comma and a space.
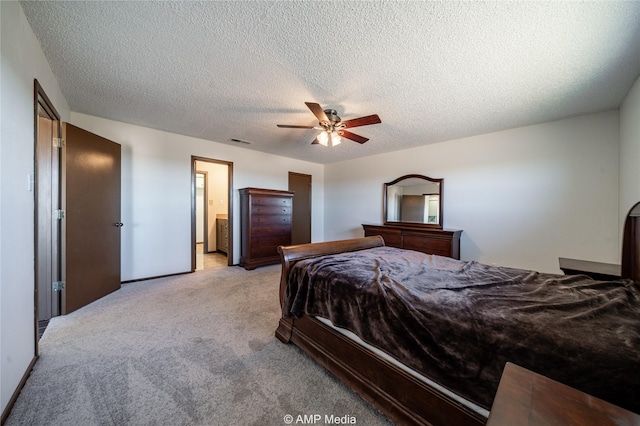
459, 322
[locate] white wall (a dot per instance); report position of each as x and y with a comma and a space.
629, 152
156, 191
22, 62
523, 197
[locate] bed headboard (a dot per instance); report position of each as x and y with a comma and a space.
630, 264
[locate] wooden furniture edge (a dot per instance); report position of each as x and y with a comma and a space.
265, 191
527, 397
394, 392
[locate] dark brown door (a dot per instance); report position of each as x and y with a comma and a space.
300, 185
412, 208
91, 196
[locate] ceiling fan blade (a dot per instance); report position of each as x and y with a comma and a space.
315, 142
317, 110
353, 136
287, 126
362, 121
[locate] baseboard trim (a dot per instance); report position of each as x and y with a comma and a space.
153, 278
14, 397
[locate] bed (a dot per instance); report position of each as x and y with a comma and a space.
432, 358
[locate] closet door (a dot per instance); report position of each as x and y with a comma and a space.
300, 185
91, 200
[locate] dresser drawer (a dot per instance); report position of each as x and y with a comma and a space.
258, 200
270, 231
390, 239
427, 245
268, 246
261, 209
262, 221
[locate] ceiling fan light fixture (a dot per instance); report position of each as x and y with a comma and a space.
323, 138
335, 139
332, 126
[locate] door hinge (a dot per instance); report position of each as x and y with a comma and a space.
58, 214
58, 285
58, 143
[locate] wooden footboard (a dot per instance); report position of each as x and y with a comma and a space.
397, 394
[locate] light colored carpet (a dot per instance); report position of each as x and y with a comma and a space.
196, 349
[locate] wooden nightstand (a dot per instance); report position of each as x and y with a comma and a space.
525, 398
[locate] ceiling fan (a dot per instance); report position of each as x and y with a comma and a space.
332, 126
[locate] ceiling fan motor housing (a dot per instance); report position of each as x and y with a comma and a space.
332, 115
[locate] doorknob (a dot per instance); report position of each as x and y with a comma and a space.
119, 224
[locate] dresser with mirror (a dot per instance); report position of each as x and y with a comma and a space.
413, 217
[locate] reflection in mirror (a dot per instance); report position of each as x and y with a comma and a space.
414, 199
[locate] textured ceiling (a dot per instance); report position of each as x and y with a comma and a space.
432, 71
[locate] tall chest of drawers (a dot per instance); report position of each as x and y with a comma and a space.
265, 224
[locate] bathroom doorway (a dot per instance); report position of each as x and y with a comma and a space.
212, 213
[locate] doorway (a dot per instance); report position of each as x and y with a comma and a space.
47, 196
212, 213
300, 185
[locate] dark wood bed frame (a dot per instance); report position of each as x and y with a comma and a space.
397, 394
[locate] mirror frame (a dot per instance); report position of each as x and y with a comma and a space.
414, 224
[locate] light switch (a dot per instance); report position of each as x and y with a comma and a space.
210, 202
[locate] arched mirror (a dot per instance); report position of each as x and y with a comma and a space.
413, 200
